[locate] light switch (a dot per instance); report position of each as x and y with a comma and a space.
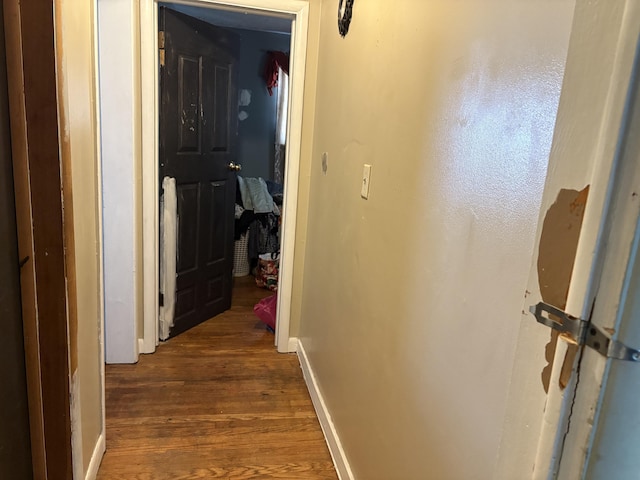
366, 180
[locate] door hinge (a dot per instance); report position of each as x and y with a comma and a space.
161, 299
582, 332
161, 47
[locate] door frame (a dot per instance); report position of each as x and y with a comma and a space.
44, 229
298, 11
599, 269
598, 406
16, 460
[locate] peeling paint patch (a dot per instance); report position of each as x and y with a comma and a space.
556, 257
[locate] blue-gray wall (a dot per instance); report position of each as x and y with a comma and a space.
256, 134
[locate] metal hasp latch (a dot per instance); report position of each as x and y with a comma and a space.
583, 333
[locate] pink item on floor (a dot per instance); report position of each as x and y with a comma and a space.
265, 309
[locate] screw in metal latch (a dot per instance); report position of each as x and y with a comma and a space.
635, 356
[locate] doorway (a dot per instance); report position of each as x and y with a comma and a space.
128, 66
295, 11
298, 12
218, 115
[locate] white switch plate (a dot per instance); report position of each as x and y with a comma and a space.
366, 180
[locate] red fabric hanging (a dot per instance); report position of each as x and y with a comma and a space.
275, 60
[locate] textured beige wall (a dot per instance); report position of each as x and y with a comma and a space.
412, 298
74, 45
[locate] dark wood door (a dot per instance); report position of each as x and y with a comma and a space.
15, 443
198, 131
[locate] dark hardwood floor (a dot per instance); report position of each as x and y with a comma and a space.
215, 402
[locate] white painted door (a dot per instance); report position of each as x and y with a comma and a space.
548, 422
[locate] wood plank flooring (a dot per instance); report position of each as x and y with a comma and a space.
215, 402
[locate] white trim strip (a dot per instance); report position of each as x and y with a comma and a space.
96, 458
293, 344
340, 460
149, 153
97, 112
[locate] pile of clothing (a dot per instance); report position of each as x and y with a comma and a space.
258, 214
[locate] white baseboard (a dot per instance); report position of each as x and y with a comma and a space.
324, 417
96, 458
292, 347
146, 347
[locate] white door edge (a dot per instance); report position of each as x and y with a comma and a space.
523, 432
614, 310
564, 447
101, 358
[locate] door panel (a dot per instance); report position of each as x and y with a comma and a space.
198, 130
217, 234
189, 90
188, 225
221, 113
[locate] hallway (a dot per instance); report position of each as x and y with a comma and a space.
214, 402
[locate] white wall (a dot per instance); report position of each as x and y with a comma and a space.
117, 20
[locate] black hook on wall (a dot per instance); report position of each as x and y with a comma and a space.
344, 16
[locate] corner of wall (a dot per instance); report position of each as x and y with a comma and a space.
331, 436
306, 160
